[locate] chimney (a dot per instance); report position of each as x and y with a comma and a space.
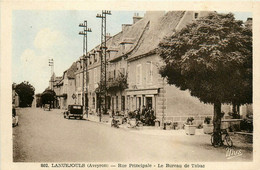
108, 36
124, 26
136, 18
249, 19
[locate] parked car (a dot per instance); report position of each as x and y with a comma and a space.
47, 107
75, 111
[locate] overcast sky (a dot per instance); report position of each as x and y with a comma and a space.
40, 35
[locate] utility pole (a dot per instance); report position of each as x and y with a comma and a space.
51, 63
84, 59
103, 60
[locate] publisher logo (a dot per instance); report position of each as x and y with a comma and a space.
232, 153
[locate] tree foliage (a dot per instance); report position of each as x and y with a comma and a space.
118, 84
48, 96
25, 92
212, 58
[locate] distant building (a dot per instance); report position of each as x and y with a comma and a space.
66, 87
15, 99
80, 82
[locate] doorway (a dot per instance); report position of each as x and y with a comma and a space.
149, 102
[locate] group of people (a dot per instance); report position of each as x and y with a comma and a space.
146, 116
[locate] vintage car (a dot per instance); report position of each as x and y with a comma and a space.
75, 111
47, 107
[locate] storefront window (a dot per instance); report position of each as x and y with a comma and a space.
123, 103
116, 102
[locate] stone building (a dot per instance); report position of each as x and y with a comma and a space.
80, 81
131, 54
65, 88
133, 78
15, 98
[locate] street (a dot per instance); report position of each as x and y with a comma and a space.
45, 136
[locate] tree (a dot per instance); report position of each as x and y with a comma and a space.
118, 84
25, 92
212, 58
38, 100
48, 96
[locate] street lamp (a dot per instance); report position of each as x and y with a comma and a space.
84, 57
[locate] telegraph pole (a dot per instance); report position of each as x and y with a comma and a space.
51, 63
103, 59
85, 51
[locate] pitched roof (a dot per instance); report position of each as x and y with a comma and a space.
71, 71
145, 35
130, 34
158, 28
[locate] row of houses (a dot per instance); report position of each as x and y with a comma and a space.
133, 77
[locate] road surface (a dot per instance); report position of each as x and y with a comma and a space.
45, 136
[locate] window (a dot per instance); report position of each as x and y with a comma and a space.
90, 76
149, 72
95, 75
116, 102
108, 102
95, 58
113, 103
93, 101
196, 15
139, 74
122, 70
80, 80
90, 60
123, 103
109, 75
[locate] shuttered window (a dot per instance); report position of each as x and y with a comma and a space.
95, 75
139, 74
149, 72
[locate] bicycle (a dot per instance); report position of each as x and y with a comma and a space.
224, 136
115, 123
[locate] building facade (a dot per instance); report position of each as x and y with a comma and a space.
65, 88
132, 72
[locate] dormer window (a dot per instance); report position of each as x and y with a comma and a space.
95, 58
90, 60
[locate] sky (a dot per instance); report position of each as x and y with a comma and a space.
38, 36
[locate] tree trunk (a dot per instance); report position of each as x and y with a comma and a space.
217, 121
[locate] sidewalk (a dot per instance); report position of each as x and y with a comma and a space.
149, 130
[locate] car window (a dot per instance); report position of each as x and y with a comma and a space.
76, 107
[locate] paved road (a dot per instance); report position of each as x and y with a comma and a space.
45, 136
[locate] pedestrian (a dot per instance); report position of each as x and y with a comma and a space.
13, 112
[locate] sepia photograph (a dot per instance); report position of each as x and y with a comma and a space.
131, 89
